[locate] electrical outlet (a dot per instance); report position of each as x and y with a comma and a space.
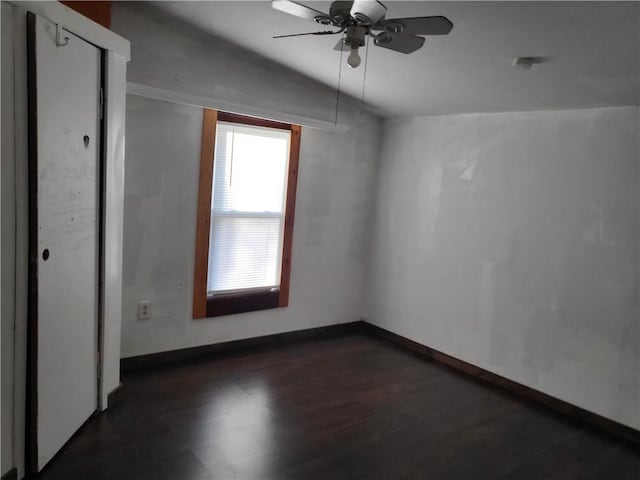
144, 310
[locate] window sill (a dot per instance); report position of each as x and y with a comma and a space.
233, 303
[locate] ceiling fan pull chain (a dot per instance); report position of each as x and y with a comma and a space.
335, 122
364, 76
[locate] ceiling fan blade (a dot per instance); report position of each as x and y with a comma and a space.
297, 9
418, 25
342, 46
399, 42
325, 32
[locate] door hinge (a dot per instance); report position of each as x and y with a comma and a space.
101, 103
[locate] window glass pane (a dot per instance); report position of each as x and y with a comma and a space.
246, 253
249, 187
249, 168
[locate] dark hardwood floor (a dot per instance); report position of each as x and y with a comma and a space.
351, 407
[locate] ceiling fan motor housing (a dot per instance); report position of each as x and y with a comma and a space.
367, 13
340, 13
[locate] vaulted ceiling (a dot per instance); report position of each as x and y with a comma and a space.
592, 51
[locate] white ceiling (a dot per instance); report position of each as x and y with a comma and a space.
594, 51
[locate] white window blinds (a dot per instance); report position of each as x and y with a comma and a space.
247, 219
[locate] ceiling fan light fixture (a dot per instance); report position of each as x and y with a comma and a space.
354, 58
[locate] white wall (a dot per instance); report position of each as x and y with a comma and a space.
167, 54
511, 241
335, 185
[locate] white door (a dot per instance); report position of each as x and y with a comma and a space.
67, 84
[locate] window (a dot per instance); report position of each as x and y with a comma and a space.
246, 202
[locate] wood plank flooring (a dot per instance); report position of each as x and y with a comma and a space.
351, 407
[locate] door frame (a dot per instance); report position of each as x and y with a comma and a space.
115, 57
31, 450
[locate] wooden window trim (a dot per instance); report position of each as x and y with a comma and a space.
203, 219
212, 306
256, 122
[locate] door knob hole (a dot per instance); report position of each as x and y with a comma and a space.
45, 254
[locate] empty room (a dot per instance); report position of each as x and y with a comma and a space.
320, 240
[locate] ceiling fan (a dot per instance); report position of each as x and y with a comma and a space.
359, 18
